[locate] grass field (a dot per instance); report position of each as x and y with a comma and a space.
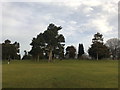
60, 74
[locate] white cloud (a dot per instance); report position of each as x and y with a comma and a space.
80, 20
26, 0
88, 10
10, 22
73, 22
0, 21
100, 24
92, 2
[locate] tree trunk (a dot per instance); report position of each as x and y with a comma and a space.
50, 56
38, 58
97, 56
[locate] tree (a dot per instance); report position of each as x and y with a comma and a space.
98, 50
80, 50
118, 52
53, 39
7, 42
59, 52
0, 51
97, 38
26, 56
10, 50
48, 42
70, 52
114, 47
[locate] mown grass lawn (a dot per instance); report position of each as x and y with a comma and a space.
60, 74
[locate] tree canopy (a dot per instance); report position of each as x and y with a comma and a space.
10, 50
114, 46
48, 42
70, 52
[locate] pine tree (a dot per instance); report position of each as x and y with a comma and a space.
80, 50
98, 50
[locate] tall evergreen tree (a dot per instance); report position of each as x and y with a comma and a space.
80, 50
97, 38
98, 50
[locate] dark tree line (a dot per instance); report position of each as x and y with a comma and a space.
50, 45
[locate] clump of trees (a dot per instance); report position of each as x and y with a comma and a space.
10, 50
70, 52
98, 49
48, 44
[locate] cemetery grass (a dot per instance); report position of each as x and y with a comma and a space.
60, 74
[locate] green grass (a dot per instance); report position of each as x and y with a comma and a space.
60, 74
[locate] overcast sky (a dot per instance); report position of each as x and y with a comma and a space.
80, 20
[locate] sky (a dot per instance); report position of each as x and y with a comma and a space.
80, 20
